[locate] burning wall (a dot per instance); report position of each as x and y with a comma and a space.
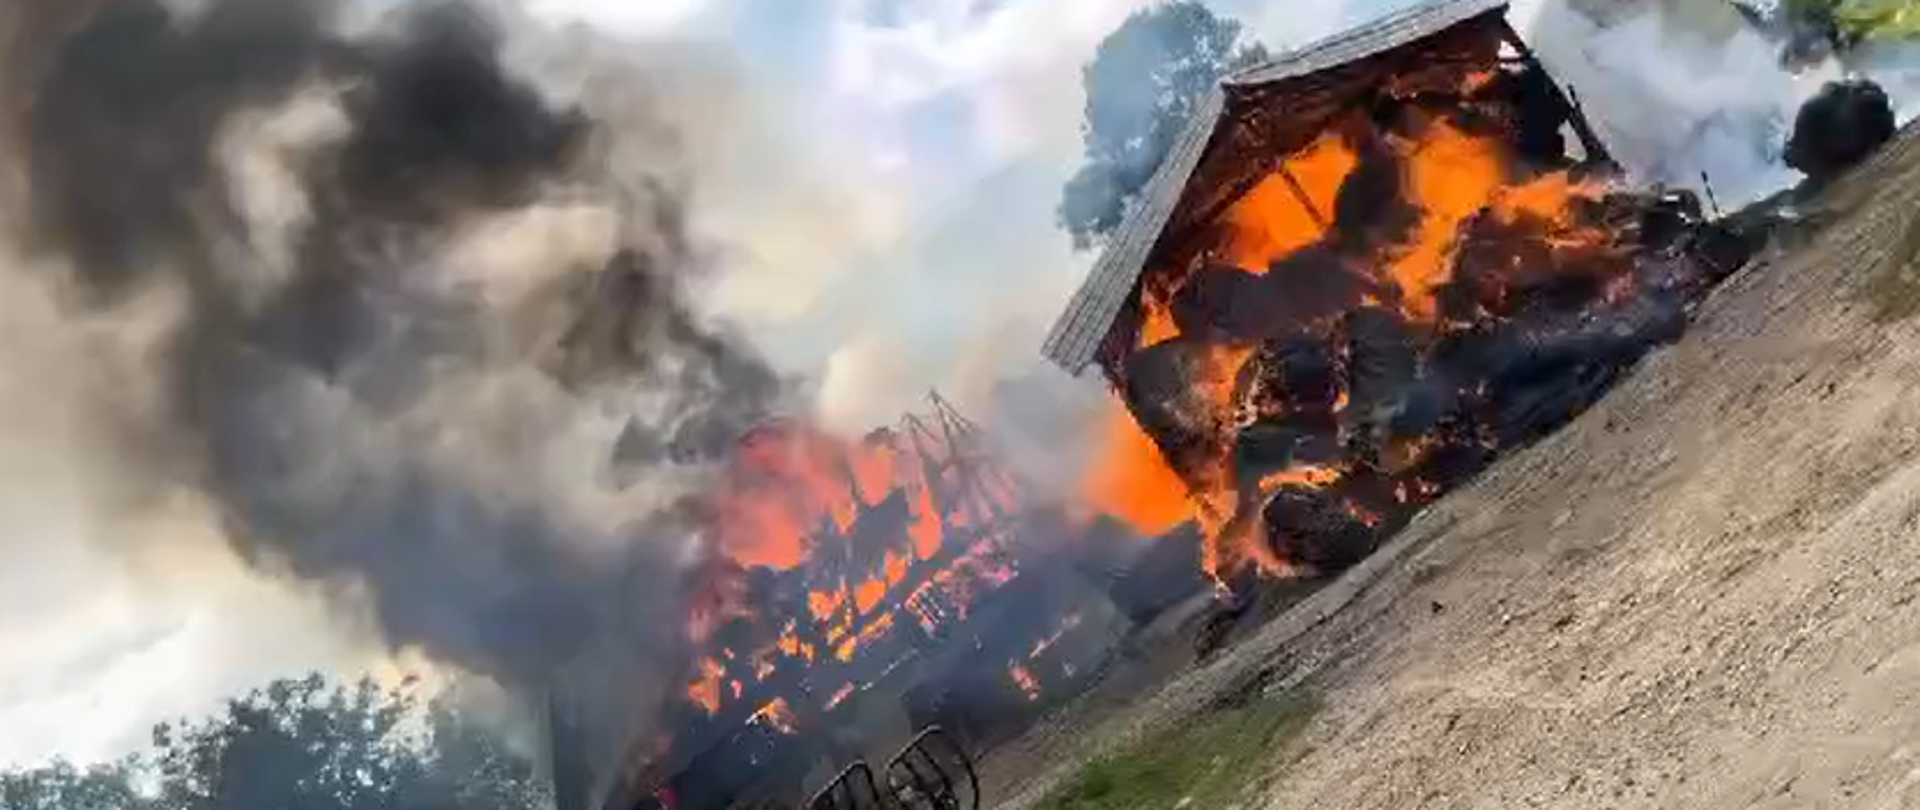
850, 575
1332, 329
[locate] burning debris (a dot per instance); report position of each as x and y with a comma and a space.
1370, 268
864, 589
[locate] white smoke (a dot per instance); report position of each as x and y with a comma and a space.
1682, 88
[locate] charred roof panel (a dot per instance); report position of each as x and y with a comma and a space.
1076, 338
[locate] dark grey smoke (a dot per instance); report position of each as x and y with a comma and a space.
1837, 129
360, 423
120, 125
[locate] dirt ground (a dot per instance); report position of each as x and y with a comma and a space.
1704, 593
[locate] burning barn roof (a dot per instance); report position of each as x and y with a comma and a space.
1237, 132
1367, 268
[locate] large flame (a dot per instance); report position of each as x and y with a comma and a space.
1449, 175
899, 521
1131, 480
1273, 220
786, 482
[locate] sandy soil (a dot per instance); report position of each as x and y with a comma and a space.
1704, 593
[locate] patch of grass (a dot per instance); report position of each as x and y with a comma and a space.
1895, 290
1207, 764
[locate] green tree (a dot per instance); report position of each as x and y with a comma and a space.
1144, 84
302, 745
61, 786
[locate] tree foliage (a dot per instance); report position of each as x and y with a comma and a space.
1143, 86
1861, 20
301, 745
61, 786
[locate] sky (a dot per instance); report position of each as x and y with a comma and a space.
897, 233
922, 148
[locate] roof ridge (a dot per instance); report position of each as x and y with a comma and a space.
1075, 337
1457, 10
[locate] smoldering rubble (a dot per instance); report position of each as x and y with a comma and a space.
424, 430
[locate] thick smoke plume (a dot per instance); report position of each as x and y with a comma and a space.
429, 340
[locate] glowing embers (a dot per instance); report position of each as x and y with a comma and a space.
1024, 680
705, 690
1068, 625
777, 715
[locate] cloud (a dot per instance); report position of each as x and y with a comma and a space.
646, 17
118, 651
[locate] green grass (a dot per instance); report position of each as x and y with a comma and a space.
1208, 764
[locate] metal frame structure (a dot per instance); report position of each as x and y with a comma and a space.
918, 778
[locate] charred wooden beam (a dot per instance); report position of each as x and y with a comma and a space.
1597, 153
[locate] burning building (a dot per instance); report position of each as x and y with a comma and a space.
1367, 268
861, 590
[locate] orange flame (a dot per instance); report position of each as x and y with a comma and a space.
926, 531
1448, 177
867, 595
705, 689
875, 467
785, 483
825, 604
1273, 219
1156, 324
778, 716
788, 488
1132, 480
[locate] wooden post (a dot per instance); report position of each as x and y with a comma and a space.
1589, 141
1300, 194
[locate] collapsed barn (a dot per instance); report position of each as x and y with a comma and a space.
1365, 270
868, 589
